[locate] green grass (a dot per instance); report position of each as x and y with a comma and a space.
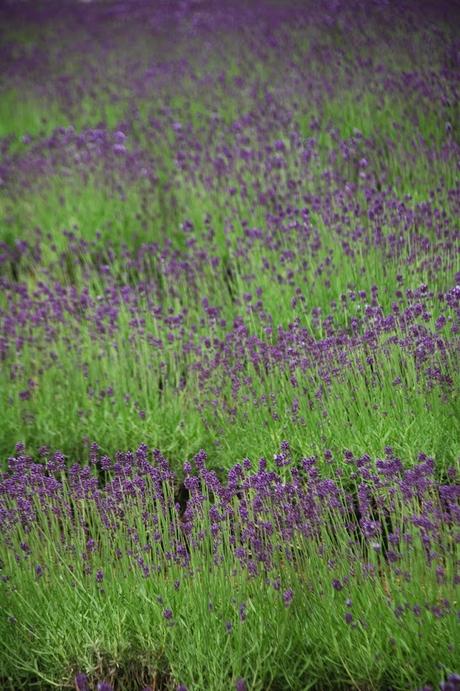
21, 115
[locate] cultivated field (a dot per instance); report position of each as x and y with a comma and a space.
229, 345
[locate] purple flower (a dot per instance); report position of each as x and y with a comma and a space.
104, 686
25, 547
241, 685
288, 596
451, 684
454, 678
336, 584
246, 464
348, 617
81, 682
99, 576
399, 611
168, 615
90, 545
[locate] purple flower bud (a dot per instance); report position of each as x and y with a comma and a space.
81, 682
90, 544
104, 686
288, 596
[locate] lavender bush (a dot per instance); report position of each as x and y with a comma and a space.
280, 576
232, 227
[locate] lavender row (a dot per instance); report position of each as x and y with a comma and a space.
254, 512
308, 540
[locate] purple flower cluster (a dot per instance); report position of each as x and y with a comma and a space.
253, 287
272, 514
254, 523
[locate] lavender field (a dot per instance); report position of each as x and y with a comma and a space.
229, 345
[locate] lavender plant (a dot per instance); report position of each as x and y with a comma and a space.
281, 578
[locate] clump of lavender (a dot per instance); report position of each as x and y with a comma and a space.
273, 527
